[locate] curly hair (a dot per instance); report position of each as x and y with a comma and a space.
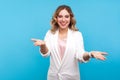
54, 23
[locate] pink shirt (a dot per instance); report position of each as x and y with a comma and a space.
62, 47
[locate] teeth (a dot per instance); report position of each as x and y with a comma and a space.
63, 23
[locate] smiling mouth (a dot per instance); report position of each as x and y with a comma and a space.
63, 24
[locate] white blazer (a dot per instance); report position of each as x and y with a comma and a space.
67, 68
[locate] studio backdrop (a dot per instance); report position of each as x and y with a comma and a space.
21, 20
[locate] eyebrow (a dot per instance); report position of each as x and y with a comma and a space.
65, 15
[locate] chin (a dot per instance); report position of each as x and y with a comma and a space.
63, 27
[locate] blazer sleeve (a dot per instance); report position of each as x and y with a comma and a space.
80, 47
47, 42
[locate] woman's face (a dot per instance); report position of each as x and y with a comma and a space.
63, 19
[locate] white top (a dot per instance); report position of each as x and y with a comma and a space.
68, 68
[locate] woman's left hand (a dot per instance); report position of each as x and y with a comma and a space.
98, 55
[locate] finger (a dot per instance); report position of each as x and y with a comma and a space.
104, 53
34, 44
37, 44
102, 58
34, 40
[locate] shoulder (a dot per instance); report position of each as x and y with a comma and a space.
52, 33
49, 32
77, 33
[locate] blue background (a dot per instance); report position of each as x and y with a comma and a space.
21, 20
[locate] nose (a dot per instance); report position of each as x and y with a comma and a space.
63, 19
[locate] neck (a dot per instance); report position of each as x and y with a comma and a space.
63, 31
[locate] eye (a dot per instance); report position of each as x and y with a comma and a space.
59, 16
67, 16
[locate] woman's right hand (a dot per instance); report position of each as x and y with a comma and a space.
38, 42
41, 43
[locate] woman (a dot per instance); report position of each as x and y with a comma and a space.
64, 44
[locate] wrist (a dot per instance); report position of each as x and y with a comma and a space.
91, 54
44, 49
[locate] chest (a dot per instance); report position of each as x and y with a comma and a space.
68, 43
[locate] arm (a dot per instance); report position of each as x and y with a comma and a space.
81, 54
41, 43
84, 56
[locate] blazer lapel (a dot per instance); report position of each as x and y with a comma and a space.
56, 47
67, 45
